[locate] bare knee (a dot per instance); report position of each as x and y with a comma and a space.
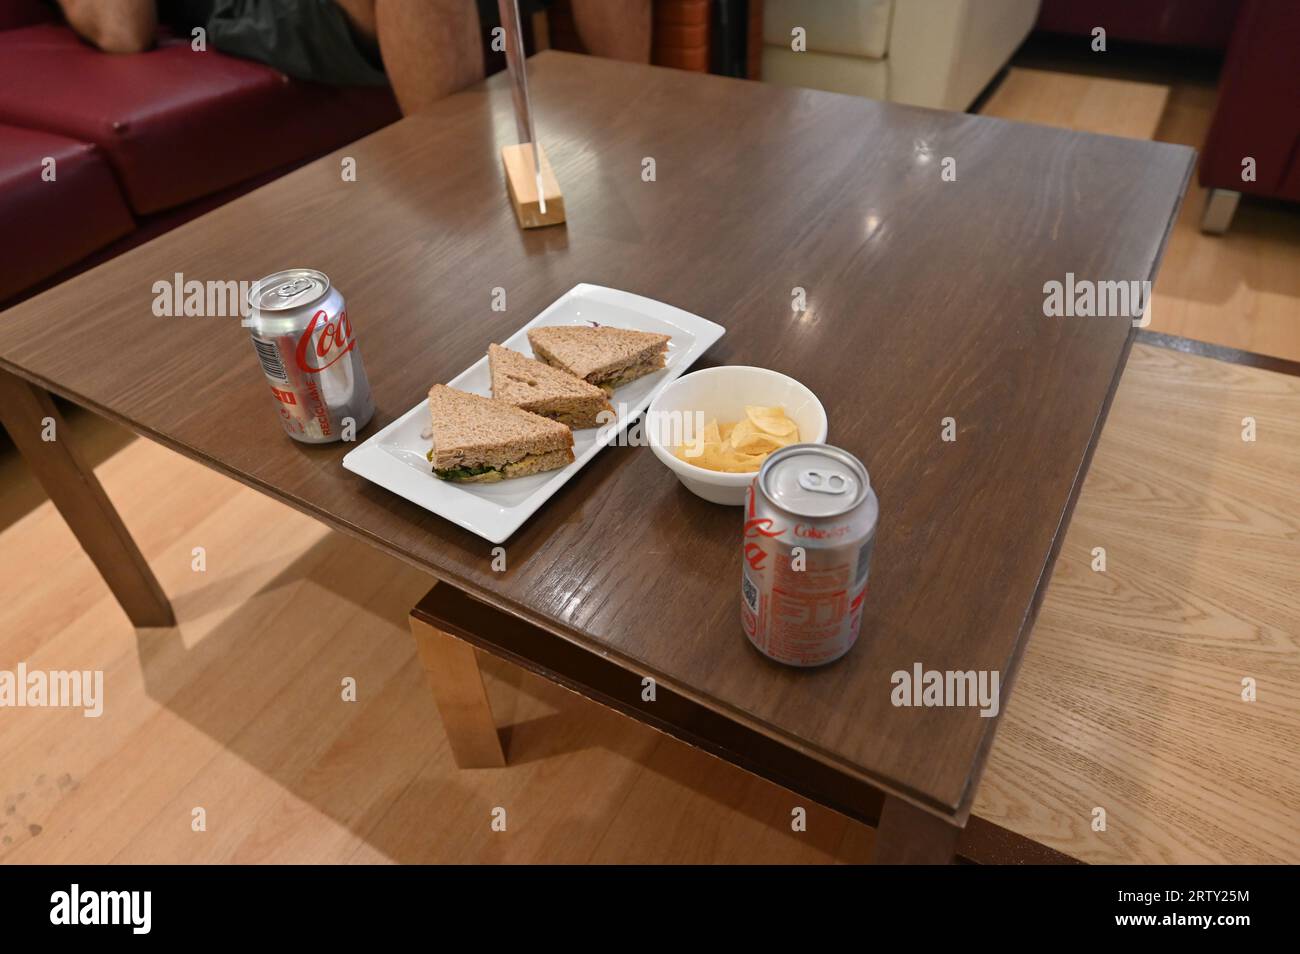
123, 39
430, 49
115, 26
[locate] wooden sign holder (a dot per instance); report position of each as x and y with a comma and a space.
521, 183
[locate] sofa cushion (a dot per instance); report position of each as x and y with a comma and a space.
174, 123
847, 27
942, 53
49, 223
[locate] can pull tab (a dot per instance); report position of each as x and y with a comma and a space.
820, 482
289, 289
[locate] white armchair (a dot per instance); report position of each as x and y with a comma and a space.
937, 53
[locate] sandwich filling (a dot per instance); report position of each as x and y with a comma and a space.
489, 473
564, 417
630, 373
607, 381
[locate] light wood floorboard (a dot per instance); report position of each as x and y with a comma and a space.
1129, 695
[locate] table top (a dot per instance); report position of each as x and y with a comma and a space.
924, 301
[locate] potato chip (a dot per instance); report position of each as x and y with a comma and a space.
772, 420
742, 446
717, 457
748, 439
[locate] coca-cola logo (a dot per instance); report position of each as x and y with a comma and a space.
816, 533
335, 340
756, 527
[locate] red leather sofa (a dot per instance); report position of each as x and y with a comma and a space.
99, 152
1198, 24
1258, 113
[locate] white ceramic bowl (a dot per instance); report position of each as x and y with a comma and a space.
723, 393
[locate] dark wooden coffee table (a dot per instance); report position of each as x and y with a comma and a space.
924, 302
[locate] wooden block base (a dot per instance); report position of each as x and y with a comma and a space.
521, 181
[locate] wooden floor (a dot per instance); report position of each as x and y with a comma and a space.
1129, 696
239, 711
1110, 107
1241, 289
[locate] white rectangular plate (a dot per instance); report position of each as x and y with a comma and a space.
395, 457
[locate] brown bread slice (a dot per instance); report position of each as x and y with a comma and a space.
544, 390
470, 431
601, 355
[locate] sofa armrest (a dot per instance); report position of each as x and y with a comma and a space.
20, 13
1258, 110
942, 53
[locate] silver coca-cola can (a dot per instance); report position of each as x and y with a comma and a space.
810, 527
309, 354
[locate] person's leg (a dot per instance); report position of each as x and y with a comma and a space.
115, 26
430, 49
616, 29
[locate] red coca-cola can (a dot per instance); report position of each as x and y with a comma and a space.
309, 354
810, 528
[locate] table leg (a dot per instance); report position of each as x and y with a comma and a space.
452, 667
25, 411
907, 835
